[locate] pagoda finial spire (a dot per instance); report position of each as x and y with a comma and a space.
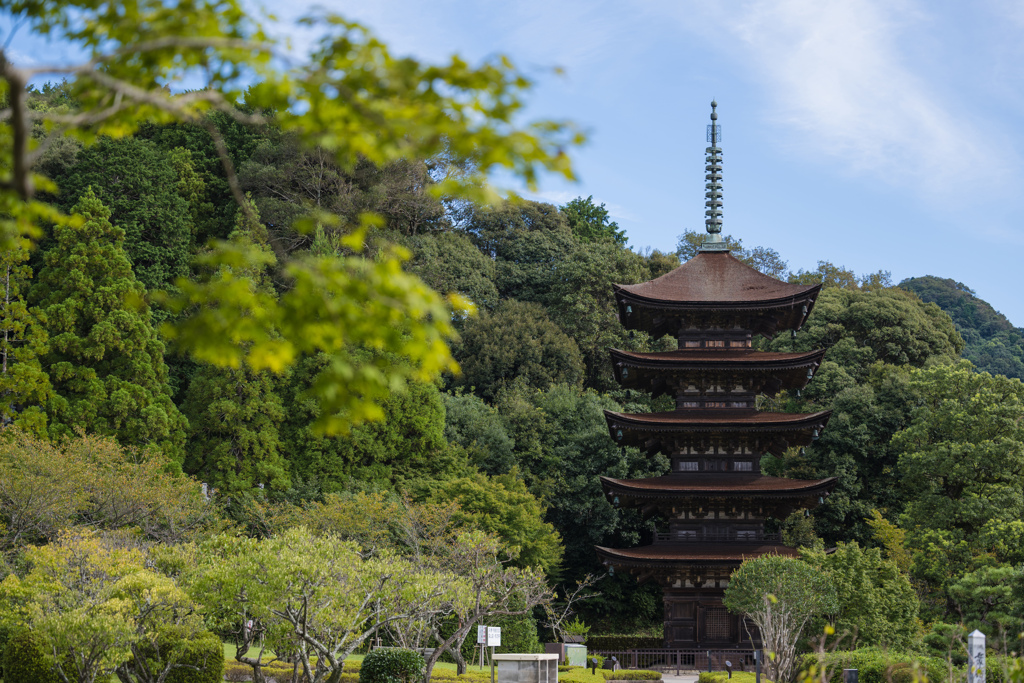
713, 187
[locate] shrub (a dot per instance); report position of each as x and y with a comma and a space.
632, 675
385, 665
24, 660
206, 652
723, 677
875, 665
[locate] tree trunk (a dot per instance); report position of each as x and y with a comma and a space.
460, 661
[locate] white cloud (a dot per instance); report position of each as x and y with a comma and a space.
841, 84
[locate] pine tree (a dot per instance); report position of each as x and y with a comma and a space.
235, 413
104, 358
24, 386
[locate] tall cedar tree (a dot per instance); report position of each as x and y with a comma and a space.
235, 413
142, 188
24, 386
105, 360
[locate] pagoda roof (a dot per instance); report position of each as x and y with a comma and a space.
714, 290
666, 555
718, 420
663, 431
717, 485
757, 371
715, 278
704, 358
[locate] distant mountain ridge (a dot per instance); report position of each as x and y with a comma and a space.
993, 343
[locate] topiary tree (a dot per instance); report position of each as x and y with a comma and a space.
391, 665
780, 595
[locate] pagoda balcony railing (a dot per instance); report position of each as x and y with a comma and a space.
718, 536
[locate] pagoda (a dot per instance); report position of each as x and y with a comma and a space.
715, 499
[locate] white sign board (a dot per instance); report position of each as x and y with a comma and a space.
488, 635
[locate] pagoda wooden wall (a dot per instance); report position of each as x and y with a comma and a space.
700, 620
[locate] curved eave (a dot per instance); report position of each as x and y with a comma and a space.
693, 421
689, 554
750, 487
765, 316
810, 292
692, 360
663, 432
649, 369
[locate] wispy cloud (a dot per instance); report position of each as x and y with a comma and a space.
837, 76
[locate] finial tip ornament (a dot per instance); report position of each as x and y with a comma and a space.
713, 196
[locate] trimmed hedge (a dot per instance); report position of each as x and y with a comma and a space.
24, 660
875, 665
631, 675
387, 665
723, 677
624, 642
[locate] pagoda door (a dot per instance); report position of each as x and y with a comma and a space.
680, 621
716, 625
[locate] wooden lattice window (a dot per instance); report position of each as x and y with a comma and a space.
717, 623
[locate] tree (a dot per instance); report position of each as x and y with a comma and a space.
780, 595
764, 259
517, 340
104, 359
235, 413
993, 344
582, 302
527, 241
100, 611
992, 599
831, 275
877, 605
316, 596
139, 184
961, 461
477, 427
24, 385
591, 223
90, 481
350, 97
492, 590
888, 325
450, 262
561, 447
405, 446
502, 507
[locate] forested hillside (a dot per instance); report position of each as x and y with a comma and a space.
517, 438
993, 344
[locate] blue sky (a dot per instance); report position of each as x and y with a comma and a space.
877, 134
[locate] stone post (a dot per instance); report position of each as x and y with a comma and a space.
976, 657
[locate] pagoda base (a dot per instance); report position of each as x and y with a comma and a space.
697, 619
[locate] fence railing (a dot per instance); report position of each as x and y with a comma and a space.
669, 658
727, 536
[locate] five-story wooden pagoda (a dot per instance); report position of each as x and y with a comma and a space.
715, 499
